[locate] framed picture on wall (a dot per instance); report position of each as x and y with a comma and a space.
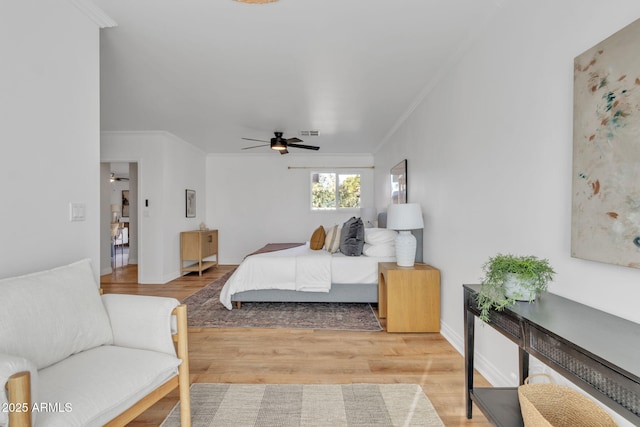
125, 203
190, 203
399, 182
606, 154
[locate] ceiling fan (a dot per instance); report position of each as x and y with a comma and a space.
113, 178
280, 144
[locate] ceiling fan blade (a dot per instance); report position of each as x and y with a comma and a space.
251, 139
254, 146
306, 147
290, 140
283, 151
114, 178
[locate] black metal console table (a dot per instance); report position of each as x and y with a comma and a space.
597, 351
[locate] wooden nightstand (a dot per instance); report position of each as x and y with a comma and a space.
409, 297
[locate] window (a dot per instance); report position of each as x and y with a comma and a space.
331, 190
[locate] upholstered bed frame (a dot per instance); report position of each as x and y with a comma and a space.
362, 293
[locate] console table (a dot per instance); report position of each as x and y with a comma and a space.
597, 351
196, 246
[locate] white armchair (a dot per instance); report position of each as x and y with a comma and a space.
71, 357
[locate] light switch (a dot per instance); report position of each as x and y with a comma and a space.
77, 211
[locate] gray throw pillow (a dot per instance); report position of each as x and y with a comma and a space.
352, 237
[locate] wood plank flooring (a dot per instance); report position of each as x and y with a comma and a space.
280, 356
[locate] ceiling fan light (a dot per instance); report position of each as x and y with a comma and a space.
278, 146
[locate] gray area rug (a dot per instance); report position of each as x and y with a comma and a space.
270, 405
204, 310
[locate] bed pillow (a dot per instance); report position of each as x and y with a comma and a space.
317, 239
352, 237
380, 236
386, 250
332, 240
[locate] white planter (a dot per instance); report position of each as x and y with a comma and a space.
514, 288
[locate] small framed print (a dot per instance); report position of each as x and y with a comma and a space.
125, 203
399, 183
190, 203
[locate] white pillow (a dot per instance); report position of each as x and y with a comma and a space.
49, 315
379, 236
386, 250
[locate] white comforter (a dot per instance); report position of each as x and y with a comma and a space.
299, 269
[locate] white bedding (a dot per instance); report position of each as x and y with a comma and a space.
300, 269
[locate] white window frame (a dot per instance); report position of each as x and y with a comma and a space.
337, 190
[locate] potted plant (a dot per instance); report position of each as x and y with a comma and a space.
510, 278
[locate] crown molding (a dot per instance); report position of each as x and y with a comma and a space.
93, 12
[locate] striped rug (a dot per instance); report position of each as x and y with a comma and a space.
270, 405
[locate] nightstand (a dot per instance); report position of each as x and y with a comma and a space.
409, 297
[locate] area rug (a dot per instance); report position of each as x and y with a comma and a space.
206, 311
270, 405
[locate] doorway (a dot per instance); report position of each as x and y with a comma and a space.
119, 250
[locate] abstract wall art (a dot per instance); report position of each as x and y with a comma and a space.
606, 151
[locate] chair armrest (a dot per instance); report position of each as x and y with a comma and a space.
142, 322
17, 398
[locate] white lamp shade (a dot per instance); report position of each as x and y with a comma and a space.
404, 216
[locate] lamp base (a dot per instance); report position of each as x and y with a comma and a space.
405, 249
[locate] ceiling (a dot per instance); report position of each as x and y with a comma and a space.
214, 71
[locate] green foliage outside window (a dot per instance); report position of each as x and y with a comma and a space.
335, 191
349, 192
323, 191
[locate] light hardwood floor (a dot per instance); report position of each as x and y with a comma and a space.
309, 356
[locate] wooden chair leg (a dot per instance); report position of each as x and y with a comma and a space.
183, 369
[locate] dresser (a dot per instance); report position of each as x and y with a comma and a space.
198, 246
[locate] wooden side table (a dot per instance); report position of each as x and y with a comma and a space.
409, 297
196, 246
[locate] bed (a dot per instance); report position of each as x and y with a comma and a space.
300, 274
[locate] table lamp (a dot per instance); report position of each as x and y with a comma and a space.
404, 218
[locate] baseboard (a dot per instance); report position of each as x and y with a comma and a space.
171, 276
450, 335
488, 370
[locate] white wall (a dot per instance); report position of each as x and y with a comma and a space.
133, 213
49, 135
167, 166
105, 219
255, 199
490, 157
